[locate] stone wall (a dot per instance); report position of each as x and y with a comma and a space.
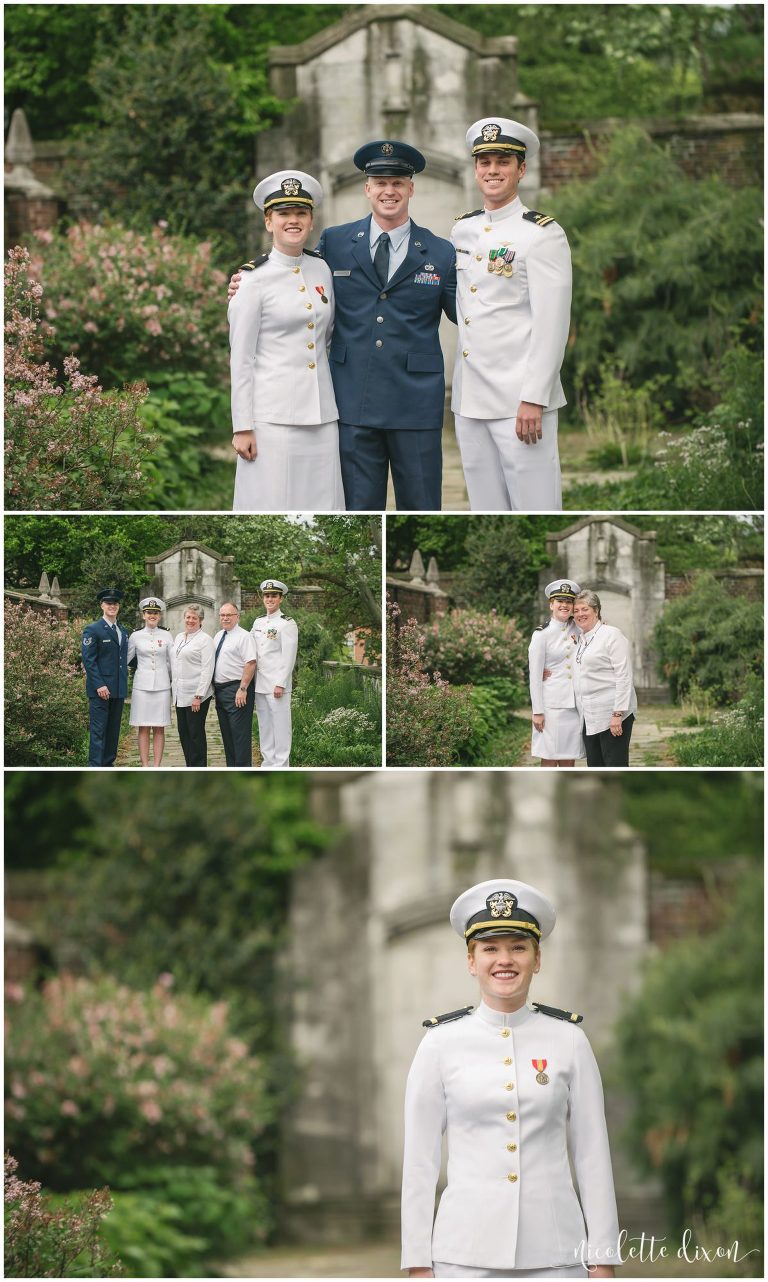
744, 583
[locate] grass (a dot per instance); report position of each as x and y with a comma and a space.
507, 746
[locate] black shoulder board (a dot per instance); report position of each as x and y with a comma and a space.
541, 627
446, 1019
313, 253
558, 1014
541, 220
286, 616
471, 214
253, 264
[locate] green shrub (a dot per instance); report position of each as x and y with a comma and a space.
711, 639
104, 1080
48, 1237
336, 720
473, 646
620, 419
65, 447
690, 1056
46, 711
736, 738
428, 721
149, 1236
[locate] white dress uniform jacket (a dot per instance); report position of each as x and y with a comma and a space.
279, 328
510, 1202
514, 328
151, 647
603, 672
192, 662
554, 647
277, 643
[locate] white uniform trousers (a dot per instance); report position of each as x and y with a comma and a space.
296, 468
442, 1270
505, 475
274, 717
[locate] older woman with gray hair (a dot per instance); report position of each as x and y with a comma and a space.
605, 694
192, 659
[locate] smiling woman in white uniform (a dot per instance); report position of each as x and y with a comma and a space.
501, 1083
150, 650
284, 417
556, 736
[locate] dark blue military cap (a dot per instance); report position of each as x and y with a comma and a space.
386, 159
110, 594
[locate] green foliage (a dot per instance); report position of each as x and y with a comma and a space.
470, 646
687, 543
46, 712
709, 638
104, 1080
621, 419
148, 1233
690, 1049
428, 721
49, 1237
689, 822
172, 472
443, 537
665, 267
336, 720
736, 738
501, 563
71, 446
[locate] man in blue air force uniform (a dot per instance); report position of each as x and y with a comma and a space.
392, 282
104, 654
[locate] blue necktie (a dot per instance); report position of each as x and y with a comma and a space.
381, 258
218, 651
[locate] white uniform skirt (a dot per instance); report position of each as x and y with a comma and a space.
151, 708
560, 740
296, 469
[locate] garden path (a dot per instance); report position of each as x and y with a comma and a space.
655, 723
173, 758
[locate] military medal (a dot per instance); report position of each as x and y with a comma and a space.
541, 1076
320, 289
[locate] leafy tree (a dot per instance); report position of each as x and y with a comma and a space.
665, 268
709, 639
690, 821
691, 1058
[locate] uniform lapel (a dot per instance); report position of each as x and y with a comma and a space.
361, 250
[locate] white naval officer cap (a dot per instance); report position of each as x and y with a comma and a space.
287, 188
273, 585
501, 907
566, 588
151, 603
499, 136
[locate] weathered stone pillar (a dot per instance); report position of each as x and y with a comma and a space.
29, 205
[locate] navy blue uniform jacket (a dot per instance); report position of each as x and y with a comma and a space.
105, 663
400, 384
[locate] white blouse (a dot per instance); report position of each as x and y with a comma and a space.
192, 660
603, 677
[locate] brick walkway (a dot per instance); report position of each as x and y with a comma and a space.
173, 757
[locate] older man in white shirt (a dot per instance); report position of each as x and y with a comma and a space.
234, 665
605, 694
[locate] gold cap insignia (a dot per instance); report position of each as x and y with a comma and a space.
491, 132
291, 186
501, 904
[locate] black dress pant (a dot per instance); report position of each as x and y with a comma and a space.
605, 749
191, 725
105, 716
236, 723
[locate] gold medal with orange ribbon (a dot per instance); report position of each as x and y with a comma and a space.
540, 1065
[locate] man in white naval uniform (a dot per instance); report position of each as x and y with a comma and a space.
513, 1086
277, 642
513, 271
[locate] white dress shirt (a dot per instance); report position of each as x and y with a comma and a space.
399, 239
238, 649
512, 329
279, 327
603, 674
192, 661
277, 641
510, 1202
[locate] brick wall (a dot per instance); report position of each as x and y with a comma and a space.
743, 583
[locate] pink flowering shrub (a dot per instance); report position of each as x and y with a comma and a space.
131, 304
428, 722
43, 1240
70, 446
475, 646
46, 711
102, 1080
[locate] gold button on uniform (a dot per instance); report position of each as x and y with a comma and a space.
466, 353
512, 1179
511, 1117
311, 364
466, 320
308, 306
473, 289
504, 1031
486, 229
512, 1148
479, 257
508, 1060
510, 1086
302, 289
296, 270
310, 346
310, 324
